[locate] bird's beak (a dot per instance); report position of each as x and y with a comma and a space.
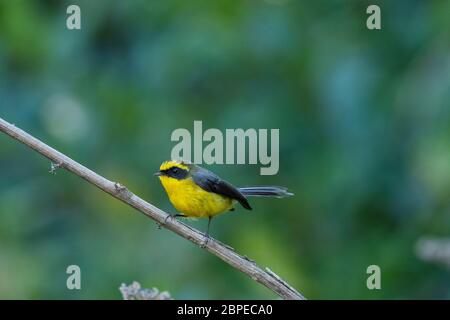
157, 174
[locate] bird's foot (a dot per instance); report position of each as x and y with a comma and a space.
205, 242
171, 216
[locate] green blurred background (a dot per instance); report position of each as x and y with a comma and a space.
364, 124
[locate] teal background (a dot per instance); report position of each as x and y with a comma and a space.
364, 125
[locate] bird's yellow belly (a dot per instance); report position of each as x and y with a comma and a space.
193, 201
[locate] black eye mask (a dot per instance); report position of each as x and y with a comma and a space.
176, 173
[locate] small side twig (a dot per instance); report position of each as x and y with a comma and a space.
135, 292
54, 167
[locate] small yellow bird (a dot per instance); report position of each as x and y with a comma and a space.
199, 193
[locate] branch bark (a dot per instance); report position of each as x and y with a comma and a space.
263, 276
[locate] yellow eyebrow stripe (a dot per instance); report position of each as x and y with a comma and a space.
170, 164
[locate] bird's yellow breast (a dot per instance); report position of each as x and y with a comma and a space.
191, 200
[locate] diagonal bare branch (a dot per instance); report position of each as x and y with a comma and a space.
227, 254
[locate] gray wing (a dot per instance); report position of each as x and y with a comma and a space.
212, 183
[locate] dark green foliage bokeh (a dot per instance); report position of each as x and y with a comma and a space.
364, 142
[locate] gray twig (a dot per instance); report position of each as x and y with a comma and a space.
435, 250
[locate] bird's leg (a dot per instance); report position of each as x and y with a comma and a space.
207, 237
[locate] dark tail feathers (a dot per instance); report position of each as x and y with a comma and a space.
266, 191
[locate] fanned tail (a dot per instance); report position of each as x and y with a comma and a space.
266, 191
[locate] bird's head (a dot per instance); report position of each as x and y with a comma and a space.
173, 169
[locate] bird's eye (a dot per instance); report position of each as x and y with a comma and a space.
175, 170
